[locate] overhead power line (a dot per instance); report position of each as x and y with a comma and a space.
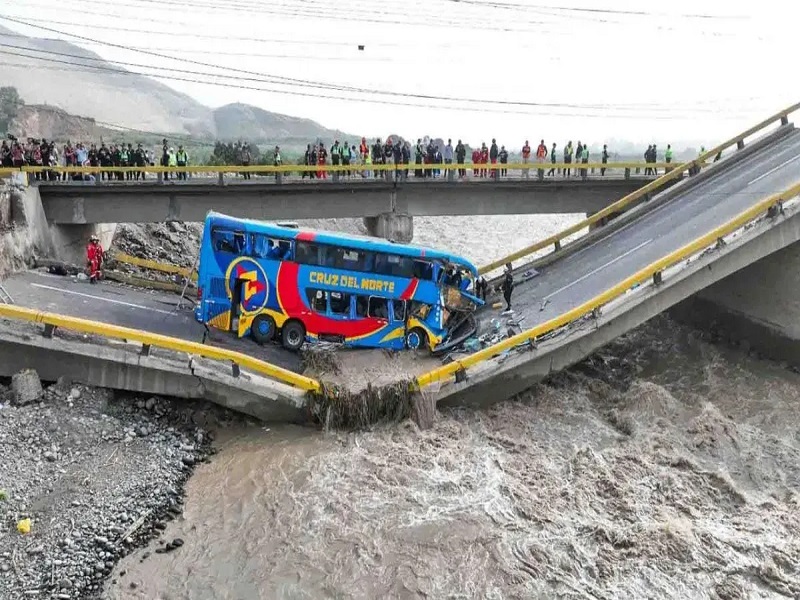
291, 81
488, 109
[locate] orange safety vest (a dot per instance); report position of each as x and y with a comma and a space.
541, 151
526, 151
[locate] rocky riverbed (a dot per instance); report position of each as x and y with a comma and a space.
97, 474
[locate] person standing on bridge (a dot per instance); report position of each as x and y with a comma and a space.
526, 157
567, 159
94, 258
552, 170
448, 155
541, 155
493, 154
604, 159
668, 157
182, 160
461, 154
508, 286
585, 161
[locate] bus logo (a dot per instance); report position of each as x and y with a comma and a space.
254, 291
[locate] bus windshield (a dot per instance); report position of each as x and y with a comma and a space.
273, 282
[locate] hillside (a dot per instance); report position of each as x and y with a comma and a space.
120, 98
97, 89
243, 121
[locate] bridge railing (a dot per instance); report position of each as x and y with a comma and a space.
677, 171
237, 360
278, 174
652, 272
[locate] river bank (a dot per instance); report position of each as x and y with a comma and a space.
97, 473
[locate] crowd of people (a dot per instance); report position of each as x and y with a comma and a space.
363, 157
427, 157
43, 153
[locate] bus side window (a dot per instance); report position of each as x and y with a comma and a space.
350, 259
227, 241
362, 302
340, 303
317, 300
419, 309
423, 270
398, 310
378, 307
284, 250
305, 253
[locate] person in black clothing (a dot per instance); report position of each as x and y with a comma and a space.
508, 286
461, 154
480, 288
503, 156
406, 156
397, 151
493, 154
418, 172
604, 159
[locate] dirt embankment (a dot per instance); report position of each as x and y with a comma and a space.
97, 473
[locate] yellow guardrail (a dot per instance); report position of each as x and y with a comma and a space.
160, 341
613, 292
328, 168
153, 265
676, 171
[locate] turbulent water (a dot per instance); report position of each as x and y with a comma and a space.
662, 467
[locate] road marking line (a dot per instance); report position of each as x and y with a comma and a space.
771, 171
600, 268
111, 300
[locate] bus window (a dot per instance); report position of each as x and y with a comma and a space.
340, 303
228, 242
349, 258
361, 306
419, 309
284, 250
317, 300
423, 270
398, 310
306, 254
395, 266
378, 307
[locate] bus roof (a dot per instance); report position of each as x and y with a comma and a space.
360, 242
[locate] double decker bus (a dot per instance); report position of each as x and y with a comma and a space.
276, 282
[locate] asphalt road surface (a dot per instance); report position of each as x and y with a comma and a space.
152, 311
567, 283
563, 285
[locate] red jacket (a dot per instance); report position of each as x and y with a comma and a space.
94, 252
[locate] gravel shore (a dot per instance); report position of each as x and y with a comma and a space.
98, 473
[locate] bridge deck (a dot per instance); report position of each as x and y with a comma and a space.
564, 284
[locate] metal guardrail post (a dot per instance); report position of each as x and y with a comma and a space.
628, 173
540, 174
335, 176
785, 120
221, 178
450, 174
740, 145
278, 177
160, 177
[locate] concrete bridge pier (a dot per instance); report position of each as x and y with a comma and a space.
32, 236
391, 226
756, 308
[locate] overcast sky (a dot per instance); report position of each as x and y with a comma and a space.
644, 71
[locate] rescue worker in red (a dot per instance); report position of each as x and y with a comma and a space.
94, 258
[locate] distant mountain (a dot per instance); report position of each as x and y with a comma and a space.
243, 121
97, 89
120, 98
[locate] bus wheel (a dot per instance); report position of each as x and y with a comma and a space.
293, 335
416, 339
263, 329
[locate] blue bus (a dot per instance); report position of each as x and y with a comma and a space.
276, 282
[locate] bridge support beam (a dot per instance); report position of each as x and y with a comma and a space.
392, 226
32, 236
756, 308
